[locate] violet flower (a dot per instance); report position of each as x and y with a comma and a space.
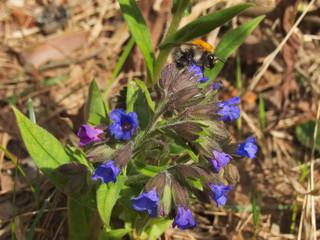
216, 86
228, 111
106, 172
199, 71
220, 192
147, 201
88, 134
124, 124
248, 148
184, 219
221, 160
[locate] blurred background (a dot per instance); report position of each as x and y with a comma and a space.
51, 50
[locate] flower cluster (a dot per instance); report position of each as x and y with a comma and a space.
122, 127
191, 125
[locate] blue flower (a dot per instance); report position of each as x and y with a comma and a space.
124, 124
229, 112
106, 172
221, 160
88, 134
220, 192
147, 201
199, 71
216, 86
184, 219
248, 148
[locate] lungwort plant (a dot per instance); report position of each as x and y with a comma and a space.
144, 162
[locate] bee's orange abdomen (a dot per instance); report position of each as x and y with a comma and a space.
204, 46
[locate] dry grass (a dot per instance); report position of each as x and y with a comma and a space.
93, 37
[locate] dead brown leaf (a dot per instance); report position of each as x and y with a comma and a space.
301, 190
249, 97
55, 49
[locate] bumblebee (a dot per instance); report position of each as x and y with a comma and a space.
199, 52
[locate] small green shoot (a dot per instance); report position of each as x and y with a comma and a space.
261, 112
146, 93
13, 225
19, 168
238, 74
239, 86
255, 212
32, 117
119, 65
304, 171
36, 220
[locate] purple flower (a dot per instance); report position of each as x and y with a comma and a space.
88, 134
220, 192
229, 112
199, 71
106, 172
184, 219
147, 201
124, 124
216, 86
248, 148
221, 160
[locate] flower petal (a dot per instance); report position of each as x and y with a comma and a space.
248, 148
184, 219
88, 134
117, 114
220, 192
147, 201
106, 172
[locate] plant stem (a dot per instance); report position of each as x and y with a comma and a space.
164, 53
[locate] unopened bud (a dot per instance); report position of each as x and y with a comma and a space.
187, 130
232, 174
180, 195
76, 174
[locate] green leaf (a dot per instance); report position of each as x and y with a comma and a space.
148, 170
45, 150
175, 148
146, 93
113, 234
179, 141
305, 133
192, 155
195, 183
107, 196
48, 154
205, 24
140, 32
157, 227
132, 95
229, 43
76, 155
96, 108
142, 110
79, 220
